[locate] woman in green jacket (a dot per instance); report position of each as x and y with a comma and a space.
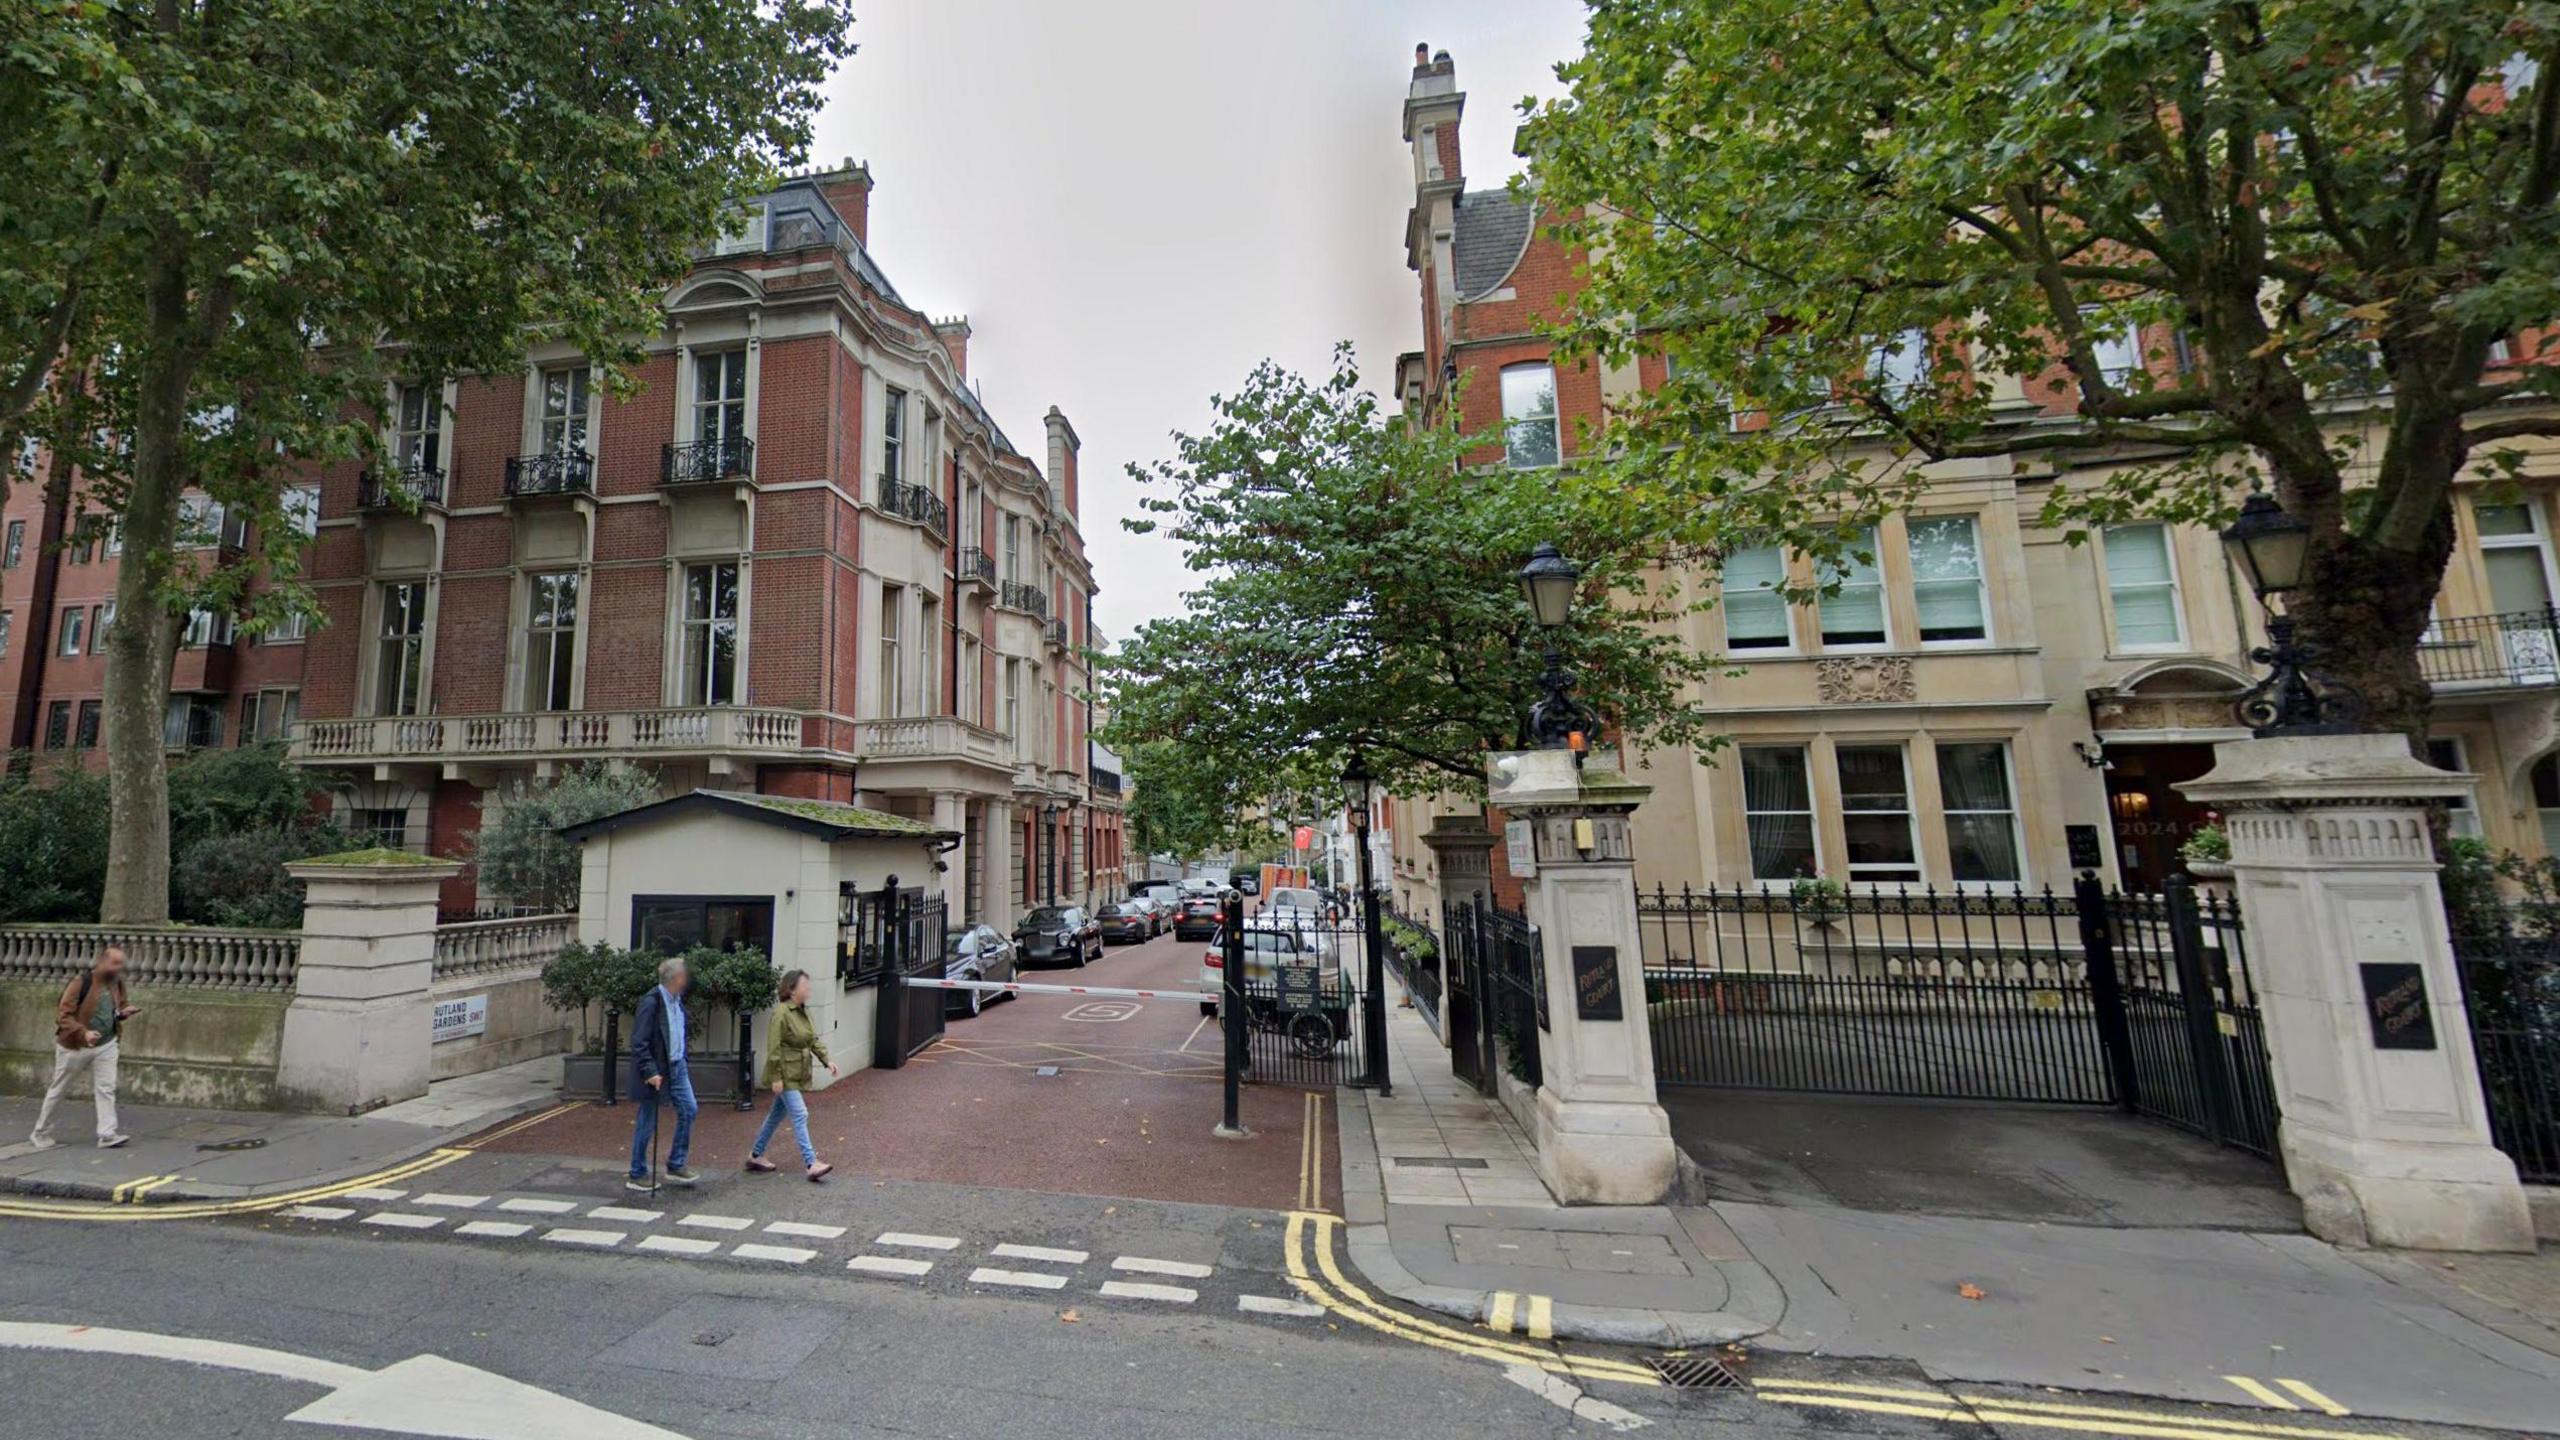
790, 1042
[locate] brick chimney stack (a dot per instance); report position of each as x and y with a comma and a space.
954, 335
848, 188
1063, 446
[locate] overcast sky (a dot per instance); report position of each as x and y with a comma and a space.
1134, 201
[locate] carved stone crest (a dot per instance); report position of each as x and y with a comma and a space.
1851, 680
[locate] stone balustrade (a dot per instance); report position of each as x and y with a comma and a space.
568, 734
497, 949
257, 960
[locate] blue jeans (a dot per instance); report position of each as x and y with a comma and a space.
788, 1103
644, 1123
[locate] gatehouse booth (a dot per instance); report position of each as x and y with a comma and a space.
851, 895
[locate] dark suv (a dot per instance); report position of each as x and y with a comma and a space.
1197, 919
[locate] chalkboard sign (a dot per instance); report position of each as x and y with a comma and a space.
1301, 989
2395, 1003
1595, 983
2082, 841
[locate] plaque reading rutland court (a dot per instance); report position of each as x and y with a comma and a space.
2395, 1002
1595, 983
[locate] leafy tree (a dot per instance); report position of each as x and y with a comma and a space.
277, 187
1359, 590
53, 842
2324, 216
1180, 804
522, 859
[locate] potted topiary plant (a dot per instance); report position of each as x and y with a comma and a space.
741, 982
596, 978
1819, 899
2207, 853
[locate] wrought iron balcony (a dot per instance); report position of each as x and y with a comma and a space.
561, 472
401, 487
707, 462
915, 502
977, 567
1058, 633
2516, 650
1014, 595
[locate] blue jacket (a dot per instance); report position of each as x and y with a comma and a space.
650, 1047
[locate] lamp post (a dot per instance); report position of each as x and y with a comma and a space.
1557, 721
1373, 1005
2271, 548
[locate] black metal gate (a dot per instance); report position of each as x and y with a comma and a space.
2140, 1001
1305, 978
1497, 993
896, 934
2509, 961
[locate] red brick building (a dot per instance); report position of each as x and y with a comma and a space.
801, 558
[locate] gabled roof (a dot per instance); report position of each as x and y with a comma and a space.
1492, 234
812, 817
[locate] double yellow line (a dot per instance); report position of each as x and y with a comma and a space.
2034, 1414
1318, 1276
1311, 1154
126, 1201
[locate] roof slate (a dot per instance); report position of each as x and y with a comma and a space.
1492, 235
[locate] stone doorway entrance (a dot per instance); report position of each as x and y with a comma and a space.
2151, 819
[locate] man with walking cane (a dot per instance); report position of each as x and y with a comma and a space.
658, 1072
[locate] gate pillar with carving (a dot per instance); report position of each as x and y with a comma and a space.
1462, 849
1602, 1136
2383, 1129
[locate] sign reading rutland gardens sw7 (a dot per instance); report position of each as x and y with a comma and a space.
459, 1018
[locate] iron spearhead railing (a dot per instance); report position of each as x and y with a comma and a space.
707, 462
977, 565
559, 472
1014, 595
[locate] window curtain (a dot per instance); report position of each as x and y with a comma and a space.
1755, 616
1854, 614
1982, 825
1777, 803
2141, 586
1946, 578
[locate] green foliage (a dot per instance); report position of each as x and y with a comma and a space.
522, 858
1182, 804
1412, 941
2499, 892
1358, 589
604, 975
237, 816
2324, 200
2210, 843
53, 843
738, 981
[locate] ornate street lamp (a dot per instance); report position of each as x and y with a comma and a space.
2272, 548
1356, 781
1558, 721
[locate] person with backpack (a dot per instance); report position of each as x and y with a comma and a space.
87, 1023
791, 1043
658, 1073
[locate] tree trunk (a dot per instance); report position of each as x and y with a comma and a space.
144, 637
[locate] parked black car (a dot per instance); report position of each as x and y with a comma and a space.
1198, 918
1058, 935
979, 952
1128, 923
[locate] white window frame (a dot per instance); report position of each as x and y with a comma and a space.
1910, 817
1553, 419
1981, 580
1812, 812
2016, 811
965, 660
414, 670
893, 434
893, 672
2122, 337
1899, 364
1011, 716
71, 632
709, 627
555, 434
715, 407
422, 431
1786, 646
548, 671
300, 505
1884, 605
203, 629
2176, 586
928, 652
2537, 538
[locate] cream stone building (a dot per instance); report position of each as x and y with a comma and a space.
1987, 691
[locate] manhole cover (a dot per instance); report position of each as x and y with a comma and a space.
1693, 1372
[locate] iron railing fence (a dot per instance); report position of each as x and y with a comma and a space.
2520, 648
400, 487
558, 472
915, 502
2191, 1033
2510, 971
707, 462
1014, 595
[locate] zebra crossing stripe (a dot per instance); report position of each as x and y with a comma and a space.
594, 1239
678, 1245
1142, 1290
780, 1254
538, 1207
803, 1230
718, 1222
1020, 1279
1273, 1305
493, 1229
448, 1201
624, 1214
397, 1221
910, 1241
897, 1265
1039, 1252
1183, 1269
319, 1212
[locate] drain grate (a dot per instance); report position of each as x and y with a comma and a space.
1693, 1372
1046, 1070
